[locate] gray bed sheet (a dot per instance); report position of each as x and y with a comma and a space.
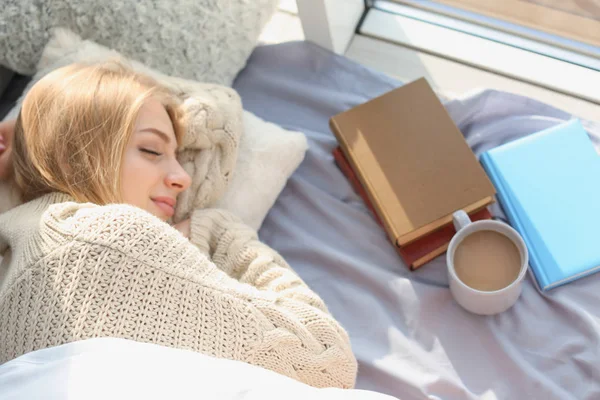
411, 339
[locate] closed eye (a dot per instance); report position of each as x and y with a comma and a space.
154, 153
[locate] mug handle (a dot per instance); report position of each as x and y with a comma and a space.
460, 219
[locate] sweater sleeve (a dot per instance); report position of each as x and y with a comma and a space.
161, 288
235, 249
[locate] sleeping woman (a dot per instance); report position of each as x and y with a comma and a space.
90, 254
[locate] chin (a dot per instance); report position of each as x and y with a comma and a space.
161, 216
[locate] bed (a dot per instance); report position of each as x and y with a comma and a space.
411, 339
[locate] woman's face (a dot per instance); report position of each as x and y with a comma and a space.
151, 176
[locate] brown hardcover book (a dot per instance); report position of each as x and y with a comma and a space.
422, 250
412, 161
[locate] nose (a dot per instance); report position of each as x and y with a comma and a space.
178, 179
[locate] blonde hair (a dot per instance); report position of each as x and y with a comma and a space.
74, 126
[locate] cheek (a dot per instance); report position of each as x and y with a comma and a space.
138, 179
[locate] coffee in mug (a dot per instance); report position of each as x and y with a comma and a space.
487, 260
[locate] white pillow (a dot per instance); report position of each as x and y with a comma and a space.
267, 157
267, 153
206, 40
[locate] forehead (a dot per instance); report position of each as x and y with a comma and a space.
154, 115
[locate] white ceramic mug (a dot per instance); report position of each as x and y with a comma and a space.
477, 301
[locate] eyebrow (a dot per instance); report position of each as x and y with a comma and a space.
162, 135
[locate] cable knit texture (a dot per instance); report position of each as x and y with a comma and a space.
75, 271
205, 40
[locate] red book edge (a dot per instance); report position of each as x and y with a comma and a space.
420, 251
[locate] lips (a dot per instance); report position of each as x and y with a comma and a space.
166, 204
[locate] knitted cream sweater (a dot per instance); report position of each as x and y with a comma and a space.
74, 271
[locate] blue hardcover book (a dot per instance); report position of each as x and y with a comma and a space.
548, 185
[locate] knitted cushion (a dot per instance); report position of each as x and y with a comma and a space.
267, 156
207, 40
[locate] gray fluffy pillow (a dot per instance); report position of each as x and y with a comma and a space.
204, 40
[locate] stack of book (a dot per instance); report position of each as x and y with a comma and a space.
412, 167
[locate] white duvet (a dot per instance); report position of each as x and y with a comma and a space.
115, 369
